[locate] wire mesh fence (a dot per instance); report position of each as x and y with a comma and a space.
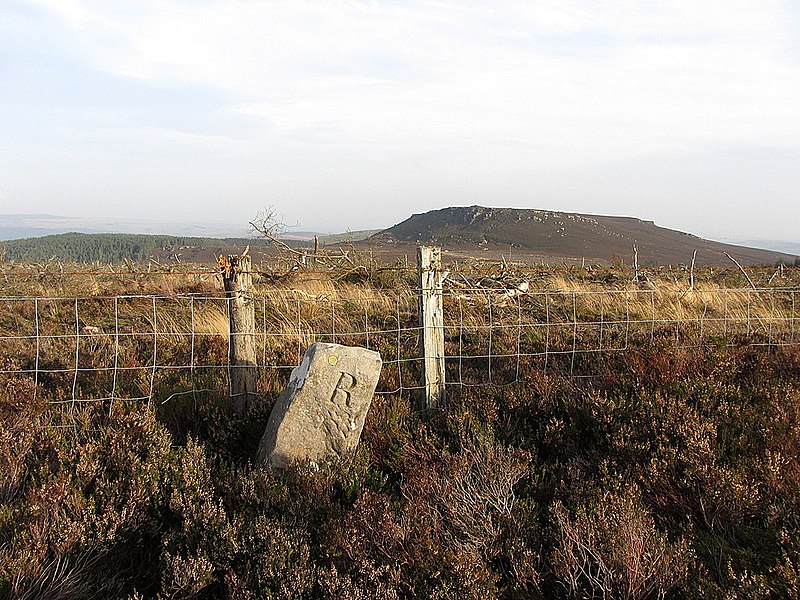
571, 330
154, 348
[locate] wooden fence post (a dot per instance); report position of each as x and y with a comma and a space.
431, 320
238, 282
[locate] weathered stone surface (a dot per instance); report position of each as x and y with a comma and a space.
320, 414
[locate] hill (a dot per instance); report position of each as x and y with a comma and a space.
565, 236
531, 235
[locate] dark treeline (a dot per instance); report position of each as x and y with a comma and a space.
108, 247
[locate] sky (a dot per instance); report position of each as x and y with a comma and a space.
354, 114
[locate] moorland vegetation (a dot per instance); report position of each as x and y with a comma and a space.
671, 472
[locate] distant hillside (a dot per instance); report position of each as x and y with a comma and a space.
776, 245
464, 231
347, 237
19, 226
566, 235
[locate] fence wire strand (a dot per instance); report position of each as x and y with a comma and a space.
148, 348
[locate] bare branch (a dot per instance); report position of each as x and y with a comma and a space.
268, 225
746, 276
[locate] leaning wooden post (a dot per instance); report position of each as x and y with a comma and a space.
431, 320
238, 281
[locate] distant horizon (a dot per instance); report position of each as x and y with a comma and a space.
231, 230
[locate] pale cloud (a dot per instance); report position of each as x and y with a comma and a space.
73, 12
308, 63
241, 45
